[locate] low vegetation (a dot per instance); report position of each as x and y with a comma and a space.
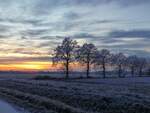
122, 95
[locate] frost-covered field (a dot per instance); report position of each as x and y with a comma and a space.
115, 95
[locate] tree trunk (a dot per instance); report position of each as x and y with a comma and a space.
119, 71
88, 66
140, 72
88, 69
132, 71
67, 69
104, 70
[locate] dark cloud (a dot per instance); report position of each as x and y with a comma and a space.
130, 33
33, 32
40, 7
47, 44
51, 37
72, 15
4, 36
32, 21
94, 2
5, 60
131, 2
106, 21
27, 52
140, 53
45, 7
85, 36
5, 28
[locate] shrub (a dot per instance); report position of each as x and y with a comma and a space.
42, 77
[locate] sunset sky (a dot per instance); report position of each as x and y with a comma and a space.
31, 29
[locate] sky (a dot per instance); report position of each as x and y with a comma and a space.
31, 29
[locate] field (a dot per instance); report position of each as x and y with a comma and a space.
112, 95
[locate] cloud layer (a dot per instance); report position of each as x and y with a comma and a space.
32, 28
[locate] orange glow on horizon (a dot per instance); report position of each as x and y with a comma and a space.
27, 66
35, 66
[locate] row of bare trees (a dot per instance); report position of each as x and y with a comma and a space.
69, 51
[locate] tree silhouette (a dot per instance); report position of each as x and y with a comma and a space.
120, 60
102, 58
65, 53
132, 63
142, 63
69, 52
86, 54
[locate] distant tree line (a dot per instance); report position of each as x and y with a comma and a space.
69, 51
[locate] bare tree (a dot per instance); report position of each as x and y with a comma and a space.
142, 63
102, 58
132, 63
86, 54
65, 53
120, 61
